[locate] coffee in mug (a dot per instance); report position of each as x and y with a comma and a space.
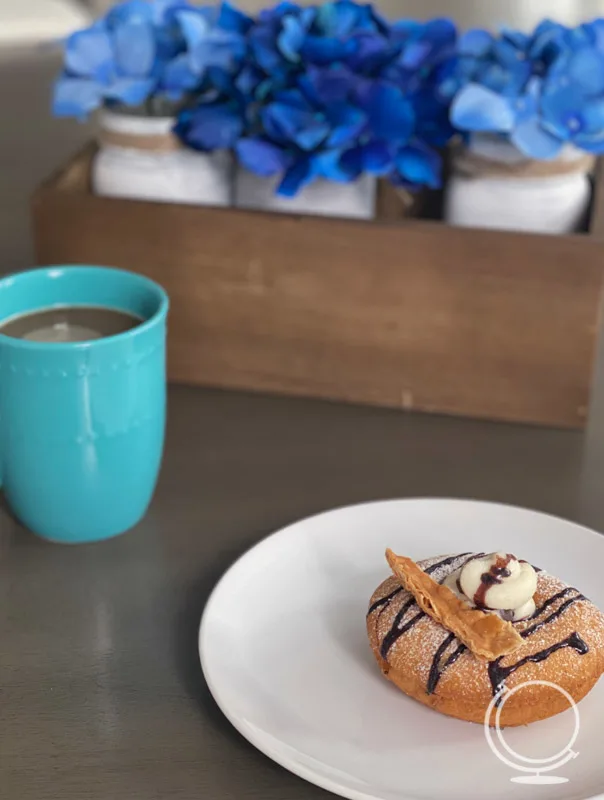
69, 324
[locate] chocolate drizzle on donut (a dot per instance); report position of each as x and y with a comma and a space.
383, 602
495, 575
395, 633
538, 611
498, 673
446, 654
554, 615
437, 668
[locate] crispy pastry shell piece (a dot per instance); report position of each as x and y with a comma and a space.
486, 635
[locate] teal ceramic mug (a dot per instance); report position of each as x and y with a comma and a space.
82, 423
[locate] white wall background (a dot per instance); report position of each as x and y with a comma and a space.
522, 13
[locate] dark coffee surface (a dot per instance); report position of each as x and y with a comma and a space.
69, 324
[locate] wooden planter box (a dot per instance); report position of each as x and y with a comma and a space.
401, 313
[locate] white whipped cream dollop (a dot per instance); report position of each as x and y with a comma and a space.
497, 582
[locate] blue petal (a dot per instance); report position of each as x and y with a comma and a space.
338, 167
591, 144
346, 123
264, 90
326, 86
304, 128
406, 29
390, 113
277, 12
130, 91
215, 127
507, 54
326, 50
271, 126
310, 138
370, 21
492, 76
586, 70
380, 24
130, 11
89, 54
261, 157
420, 165
248, 80
337, 19
597, 31
546, 40
291, 38
535, 142
414, 54
263, 48
135, 50
297, 176
560, 111
521, 41
373, 53
525, 108
178, 77
163, 10
592, 115
195, 27
433, 124
505, 79
231, 19
293, 98
442, 32
220, 79
376, 158
578, 37
76, 97
479, 109
218, 49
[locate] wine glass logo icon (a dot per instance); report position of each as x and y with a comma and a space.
533, 768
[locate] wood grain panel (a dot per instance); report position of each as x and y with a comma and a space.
396, 313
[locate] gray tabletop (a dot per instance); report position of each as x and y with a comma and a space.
101, 692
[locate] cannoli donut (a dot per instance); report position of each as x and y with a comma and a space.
562, 636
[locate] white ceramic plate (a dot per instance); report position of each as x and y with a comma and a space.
284, 651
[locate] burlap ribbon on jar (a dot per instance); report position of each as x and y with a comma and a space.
468, 164
155, 143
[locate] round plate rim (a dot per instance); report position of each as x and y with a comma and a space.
257, 741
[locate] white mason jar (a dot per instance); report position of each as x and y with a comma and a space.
140, 158
356, 200
504, 190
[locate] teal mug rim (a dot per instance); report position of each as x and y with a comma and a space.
30, 274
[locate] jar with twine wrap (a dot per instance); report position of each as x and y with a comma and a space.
493, 185
140, 158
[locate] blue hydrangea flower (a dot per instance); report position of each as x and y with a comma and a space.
145, 49
286, 39
343, 62
333, 126
302, 139
120, 59
541, 90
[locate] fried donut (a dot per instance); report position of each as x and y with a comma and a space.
563, 644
